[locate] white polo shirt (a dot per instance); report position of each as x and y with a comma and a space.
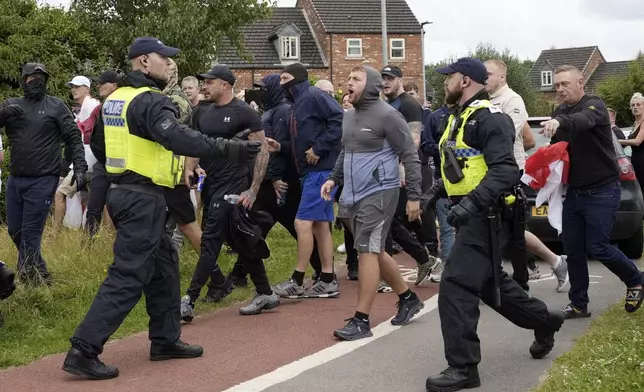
512, 104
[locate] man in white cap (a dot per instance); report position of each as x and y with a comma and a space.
80, 89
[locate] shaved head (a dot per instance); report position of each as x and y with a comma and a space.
325, 86
569, 83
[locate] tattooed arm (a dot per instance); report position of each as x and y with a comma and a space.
416, 128
261, 163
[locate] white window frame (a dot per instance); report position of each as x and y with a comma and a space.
391, 48
290, 41
349, 46
546, 78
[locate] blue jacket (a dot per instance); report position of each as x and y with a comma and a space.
275, 120
318, 124
430, 137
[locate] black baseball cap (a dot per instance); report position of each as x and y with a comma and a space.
147, 45
468, 66
392, 70
107, 77
32, 68
219, 72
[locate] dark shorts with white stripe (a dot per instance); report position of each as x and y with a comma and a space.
370, 220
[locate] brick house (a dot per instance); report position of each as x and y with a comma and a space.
589, 60
329, 37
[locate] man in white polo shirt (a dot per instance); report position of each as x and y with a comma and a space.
80, 89
512, 104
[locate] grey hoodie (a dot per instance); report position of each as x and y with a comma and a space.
374, 137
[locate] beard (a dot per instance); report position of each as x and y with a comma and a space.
452, 97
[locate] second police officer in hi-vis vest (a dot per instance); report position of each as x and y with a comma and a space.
143, 143
479, 173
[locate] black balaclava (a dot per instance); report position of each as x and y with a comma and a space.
36, 88
300, 74
372, 89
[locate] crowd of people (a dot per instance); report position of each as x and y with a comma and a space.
154, 148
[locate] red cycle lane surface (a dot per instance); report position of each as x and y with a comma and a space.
236, 348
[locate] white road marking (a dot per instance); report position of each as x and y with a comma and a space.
339, 349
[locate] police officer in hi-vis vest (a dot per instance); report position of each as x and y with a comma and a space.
141, 137
479, 174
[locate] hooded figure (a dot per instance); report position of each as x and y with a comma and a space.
176, 94
275, 120
368, 162
37, 87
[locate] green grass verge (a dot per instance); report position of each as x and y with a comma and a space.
40, 321
609, 357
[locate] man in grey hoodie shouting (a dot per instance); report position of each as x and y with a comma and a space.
374, 136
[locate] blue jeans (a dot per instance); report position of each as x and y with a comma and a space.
446, 231
588, 218
28, 204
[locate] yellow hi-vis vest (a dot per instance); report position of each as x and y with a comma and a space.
124, 151
474, 167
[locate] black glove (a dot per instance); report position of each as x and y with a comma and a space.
10, 113
432, 195
79, 179
7, 285
461, 213
243, 135
243, 150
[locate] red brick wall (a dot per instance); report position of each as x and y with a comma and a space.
341, 65
593, 63
246, 77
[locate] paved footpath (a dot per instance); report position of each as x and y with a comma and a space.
292, 349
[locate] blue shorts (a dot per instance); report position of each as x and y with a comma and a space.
312, 206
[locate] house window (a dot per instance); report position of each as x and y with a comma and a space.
546, 78
290, 48
397, 48
354, 47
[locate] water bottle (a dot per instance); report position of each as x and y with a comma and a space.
232, 199
281, 199
200, 183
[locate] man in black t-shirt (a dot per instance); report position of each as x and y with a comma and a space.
227, 117
400, 229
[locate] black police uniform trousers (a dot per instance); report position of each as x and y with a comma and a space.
145, 262
401, 233
98, 188
468, 276
516, 251
217, 216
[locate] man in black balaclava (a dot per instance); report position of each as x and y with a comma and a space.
315, 131
375, 137
35, 139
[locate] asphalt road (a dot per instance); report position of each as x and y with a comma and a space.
403, 359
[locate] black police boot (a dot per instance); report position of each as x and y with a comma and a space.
79, 364
453, 379
544, 341
178, 349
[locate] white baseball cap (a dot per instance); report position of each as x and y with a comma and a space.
79, 81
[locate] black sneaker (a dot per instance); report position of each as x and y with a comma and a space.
544, 341
178, 349
354, 330
407, 309
352, 272
218, 293
78, 364
572, 312
453, 379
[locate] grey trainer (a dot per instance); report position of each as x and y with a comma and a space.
383, 287
259, 303
323, 290
424, 270
561, 272
289, 289
534, 274
187, 309
437, 273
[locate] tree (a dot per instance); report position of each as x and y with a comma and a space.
47, 35
517, 76
197, 27
617, 90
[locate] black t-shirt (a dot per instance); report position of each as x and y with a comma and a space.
223, 175
408, 107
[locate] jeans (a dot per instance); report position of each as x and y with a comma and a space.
588, 218
446, 231
28, 204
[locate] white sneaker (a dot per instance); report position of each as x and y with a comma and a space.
342, 249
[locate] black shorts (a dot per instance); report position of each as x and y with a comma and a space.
179, 204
